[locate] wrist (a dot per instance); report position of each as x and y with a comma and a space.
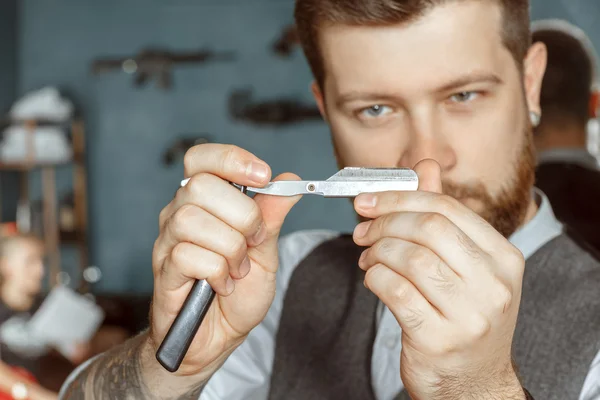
466, 386
505, 386
158, 379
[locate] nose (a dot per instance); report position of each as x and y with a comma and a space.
427, 141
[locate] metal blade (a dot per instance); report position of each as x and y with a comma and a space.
373, 174
354, 188
282, 188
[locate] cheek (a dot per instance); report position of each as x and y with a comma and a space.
489, 143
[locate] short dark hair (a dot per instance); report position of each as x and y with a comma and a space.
310, 15
567, 84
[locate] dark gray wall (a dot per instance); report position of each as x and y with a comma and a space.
8, 87
8, 53
128, 129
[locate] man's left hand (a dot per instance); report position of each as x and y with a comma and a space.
452, 282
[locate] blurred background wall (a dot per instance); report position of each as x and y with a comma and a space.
128, 129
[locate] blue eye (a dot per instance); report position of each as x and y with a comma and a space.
375, 111
464, 97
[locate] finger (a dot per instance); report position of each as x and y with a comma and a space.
274, 210
431, 230
468, 221
425, 270
430, 175
408, 305
225, 202
228, 162
188, 262
195, 225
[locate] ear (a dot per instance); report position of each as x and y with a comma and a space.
318, 94
595, 103
533, 75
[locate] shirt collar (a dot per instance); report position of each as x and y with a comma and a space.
541, 229
569, 155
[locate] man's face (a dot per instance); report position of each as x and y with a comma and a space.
442, 87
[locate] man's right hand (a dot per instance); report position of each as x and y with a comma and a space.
213, 231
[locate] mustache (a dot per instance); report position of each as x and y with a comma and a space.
476, 191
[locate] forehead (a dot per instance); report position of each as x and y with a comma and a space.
450, 40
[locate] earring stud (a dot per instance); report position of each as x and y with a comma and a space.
535, 118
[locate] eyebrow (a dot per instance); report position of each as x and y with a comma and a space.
475, 77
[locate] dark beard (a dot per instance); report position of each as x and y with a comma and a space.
506, 211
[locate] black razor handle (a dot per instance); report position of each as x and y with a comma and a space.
176, 343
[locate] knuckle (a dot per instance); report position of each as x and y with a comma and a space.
502, 299
220, 268
237, 247
418, 258
386, 224
401, 294
384, 249
254, 218
477, 327
178, 254
197, 183
433, 224
371, 273
181, 217
190, 157
157, 257
514, 258
163, 216
442, 347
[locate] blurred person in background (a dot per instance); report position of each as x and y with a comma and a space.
21, 274
567, 173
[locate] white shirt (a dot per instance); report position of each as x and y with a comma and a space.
246, 373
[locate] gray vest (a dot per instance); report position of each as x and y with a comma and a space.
326, 333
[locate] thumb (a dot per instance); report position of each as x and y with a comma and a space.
274, 210
430, 175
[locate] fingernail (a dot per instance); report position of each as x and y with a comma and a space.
229, 285
245, 267
361, 229
257, 171
260, 235
362, 257
366, 201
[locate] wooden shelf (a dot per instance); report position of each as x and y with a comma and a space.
53, 237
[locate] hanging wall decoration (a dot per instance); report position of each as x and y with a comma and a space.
287, 41
276, 112
157, 64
